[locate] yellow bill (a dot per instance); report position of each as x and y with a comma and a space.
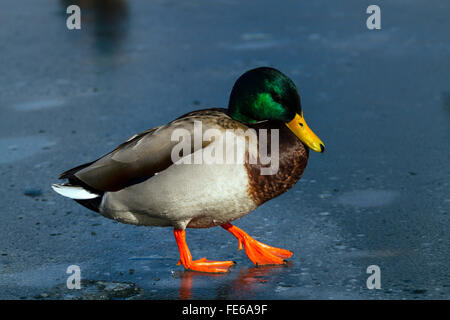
299, 127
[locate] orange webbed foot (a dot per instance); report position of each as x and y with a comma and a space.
204, 265
263, 254
258, 252
201, 265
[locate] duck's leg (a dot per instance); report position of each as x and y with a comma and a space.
202, 264
259, 253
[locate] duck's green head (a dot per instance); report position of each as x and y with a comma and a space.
267, 94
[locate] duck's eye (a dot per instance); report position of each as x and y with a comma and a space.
301, 124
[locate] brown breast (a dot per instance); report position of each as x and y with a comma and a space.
293, 157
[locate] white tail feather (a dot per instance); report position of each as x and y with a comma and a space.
74, 192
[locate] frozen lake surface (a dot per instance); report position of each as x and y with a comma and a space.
380, 100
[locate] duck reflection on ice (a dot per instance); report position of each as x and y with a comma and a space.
105, 20
244, 284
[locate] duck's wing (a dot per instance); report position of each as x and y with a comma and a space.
146, 153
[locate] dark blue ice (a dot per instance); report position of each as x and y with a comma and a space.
380, 100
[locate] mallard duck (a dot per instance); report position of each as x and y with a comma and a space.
141, 183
